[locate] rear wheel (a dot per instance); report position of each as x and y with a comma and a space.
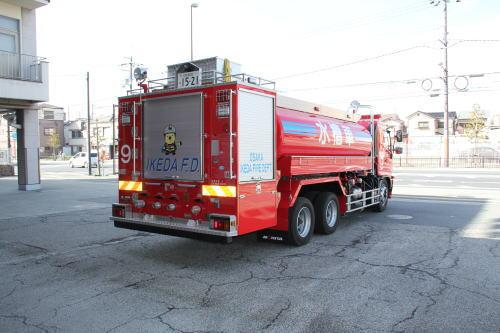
384, 197
301, 222
326, 212
312, 195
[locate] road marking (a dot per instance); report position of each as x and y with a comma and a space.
400, 217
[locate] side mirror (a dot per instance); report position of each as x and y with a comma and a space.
398, 150
399, 136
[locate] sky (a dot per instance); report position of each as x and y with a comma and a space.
331, 52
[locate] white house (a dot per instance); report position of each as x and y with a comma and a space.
430, 123
75, 136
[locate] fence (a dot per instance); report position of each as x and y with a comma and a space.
20, 66
454, 162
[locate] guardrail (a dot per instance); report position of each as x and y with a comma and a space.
20, 66
454, 162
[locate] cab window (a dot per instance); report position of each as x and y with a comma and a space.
387, 140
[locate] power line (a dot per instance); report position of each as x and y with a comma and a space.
404, 96
459, 41
406, 81
353, 62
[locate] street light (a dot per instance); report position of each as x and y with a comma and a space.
193, 5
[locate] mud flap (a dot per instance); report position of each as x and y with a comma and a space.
270, 235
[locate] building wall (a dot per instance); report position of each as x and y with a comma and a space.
56, 124
34, 85
74, 145
414, 130
45, 148
7, 9
28, 31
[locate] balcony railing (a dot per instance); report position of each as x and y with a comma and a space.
20, 67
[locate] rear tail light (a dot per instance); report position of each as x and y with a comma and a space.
118, 211
220, 223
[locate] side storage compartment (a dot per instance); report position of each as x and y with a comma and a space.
256, 155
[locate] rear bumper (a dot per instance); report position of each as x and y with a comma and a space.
168, 225
171, 232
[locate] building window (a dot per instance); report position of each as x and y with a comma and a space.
440, 124
48, 131
423, 125
76, 134
49, 115
9, 34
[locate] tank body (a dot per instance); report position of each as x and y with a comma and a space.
306, 134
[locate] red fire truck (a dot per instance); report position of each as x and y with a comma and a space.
211, 152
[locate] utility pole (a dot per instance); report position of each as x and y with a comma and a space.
8, 144
446, 130
446, 91
130, 65
88, 125
97, 128
114, 139
193, 5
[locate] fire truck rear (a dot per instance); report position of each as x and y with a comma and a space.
213, 152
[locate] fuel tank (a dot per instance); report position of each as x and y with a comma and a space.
305, 134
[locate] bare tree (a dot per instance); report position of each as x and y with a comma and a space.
54, 143
475, 127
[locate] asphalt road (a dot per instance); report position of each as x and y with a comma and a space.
430, 262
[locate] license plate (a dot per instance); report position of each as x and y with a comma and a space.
189, 79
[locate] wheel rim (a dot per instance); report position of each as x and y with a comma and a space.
383, 193
331, 213
304, 221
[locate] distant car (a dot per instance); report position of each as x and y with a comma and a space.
81, 160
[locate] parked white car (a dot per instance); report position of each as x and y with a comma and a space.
81, 160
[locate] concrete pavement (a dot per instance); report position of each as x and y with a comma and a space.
410, 268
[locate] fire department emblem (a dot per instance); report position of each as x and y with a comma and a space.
170, 143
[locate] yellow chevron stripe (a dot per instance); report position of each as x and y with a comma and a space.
218, 191
125, 185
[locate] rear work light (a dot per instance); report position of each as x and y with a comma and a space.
220, 223
118, 211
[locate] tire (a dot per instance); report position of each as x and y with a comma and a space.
312, 195
384, 196
71, 165
300, 222
327, 213
85, 165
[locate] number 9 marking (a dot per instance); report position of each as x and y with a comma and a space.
125, 154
